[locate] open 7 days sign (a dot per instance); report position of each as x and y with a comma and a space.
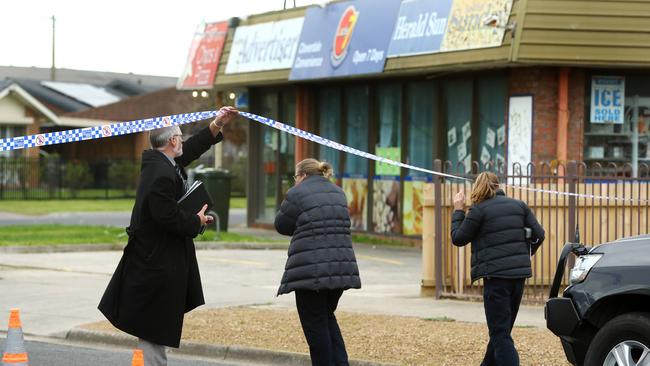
344, 38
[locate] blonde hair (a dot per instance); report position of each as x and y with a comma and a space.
485, 187
314, 167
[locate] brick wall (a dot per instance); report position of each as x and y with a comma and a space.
542, 84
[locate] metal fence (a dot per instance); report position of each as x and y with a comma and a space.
597, 217
55, 178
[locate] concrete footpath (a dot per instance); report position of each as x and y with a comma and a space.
59, 291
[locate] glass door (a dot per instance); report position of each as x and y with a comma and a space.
268, 182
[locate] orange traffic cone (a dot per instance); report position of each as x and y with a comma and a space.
15, 353
138, 358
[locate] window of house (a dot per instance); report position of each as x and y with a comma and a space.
7, 131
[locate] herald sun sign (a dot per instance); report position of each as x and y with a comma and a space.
607, 99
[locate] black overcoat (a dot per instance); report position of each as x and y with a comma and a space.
157, 280
496, 229
315, 214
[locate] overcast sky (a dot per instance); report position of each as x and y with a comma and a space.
139, 36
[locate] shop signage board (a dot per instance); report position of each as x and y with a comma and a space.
265, 46
607, 99
420, 27
345, 38
466, 28
204, 56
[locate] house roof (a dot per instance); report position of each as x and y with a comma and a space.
160, 103
145, 82
9, 87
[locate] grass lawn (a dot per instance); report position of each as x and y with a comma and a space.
42, 207
80, 234
59, 234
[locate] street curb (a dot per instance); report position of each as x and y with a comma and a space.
213, 351
67, 248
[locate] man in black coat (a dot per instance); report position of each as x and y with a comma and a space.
157, 280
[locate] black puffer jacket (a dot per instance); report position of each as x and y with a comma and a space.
496, 229
315, 214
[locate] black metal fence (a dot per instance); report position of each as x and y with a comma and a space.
55, 178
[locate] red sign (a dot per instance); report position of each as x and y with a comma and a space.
204, 56
343, 35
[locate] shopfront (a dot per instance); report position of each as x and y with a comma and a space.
421, 83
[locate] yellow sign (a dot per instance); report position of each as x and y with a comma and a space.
468, 28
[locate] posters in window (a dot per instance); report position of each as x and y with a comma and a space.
356, 191
386, 200
520, 131
413, 204
607, 99
451, 137
392, 153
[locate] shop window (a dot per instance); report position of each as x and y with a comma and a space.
422, 106
355, 178
287, 161
617, 128
458, 100
492, 91
329, 113
386, 188
268, 187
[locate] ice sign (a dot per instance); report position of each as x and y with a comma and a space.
607, 99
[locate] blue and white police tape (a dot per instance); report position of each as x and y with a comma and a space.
338, 146
98, 132
125, 128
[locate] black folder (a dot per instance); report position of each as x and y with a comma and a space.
195, 197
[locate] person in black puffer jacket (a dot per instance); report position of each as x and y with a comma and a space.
501, 256
321, 263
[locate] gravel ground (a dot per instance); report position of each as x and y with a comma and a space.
392, 339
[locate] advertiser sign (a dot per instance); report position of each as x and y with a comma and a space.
420, 27
466, 28
265, 46
344, 38
607, 99
204, 56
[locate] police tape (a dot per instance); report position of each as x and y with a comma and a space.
102, 131
125, 128
338, 146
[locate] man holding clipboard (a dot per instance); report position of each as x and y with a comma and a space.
157, 279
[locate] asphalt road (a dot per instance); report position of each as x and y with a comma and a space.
60, 354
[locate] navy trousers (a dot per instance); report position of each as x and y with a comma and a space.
501, 299
316, 312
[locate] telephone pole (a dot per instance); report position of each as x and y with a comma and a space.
53, 70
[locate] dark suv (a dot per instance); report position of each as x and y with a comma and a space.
603, 317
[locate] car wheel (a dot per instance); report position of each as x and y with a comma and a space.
623, 341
